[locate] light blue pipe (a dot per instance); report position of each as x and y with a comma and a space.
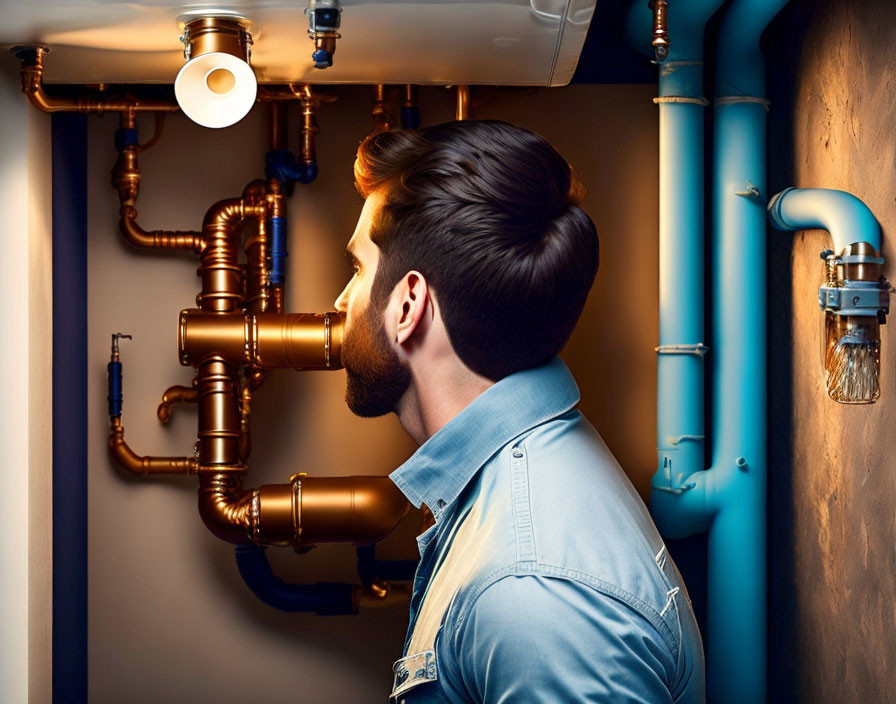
678, 497
728, 499
736, 578
844, 216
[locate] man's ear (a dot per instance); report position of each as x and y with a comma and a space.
408, 306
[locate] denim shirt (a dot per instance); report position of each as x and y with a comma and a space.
543, 578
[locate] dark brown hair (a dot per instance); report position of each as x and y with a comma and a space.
488, 213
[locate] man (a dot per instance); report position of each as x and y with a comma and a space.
543, 578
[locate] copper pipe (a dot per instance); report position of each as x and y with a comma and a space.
660, 36
245, 410
126, 178
225, 507
382, 120
309, 127
219, 269
359, 509
463, 103
277, 135
145, 465
176, 394
205, 35
265, 340
32, 70
219, 430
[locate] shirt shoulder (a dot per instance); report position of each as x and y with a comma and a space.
546, 638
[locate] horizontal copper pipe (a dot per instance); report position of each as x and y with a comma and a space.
175, 394
32, 58
360, 509
145, 465
161, 239
307, 511
303, 341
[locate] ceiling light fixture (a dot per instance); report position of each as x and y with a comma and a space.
217, 86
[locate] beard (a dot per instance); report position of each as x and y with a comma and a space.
376, 379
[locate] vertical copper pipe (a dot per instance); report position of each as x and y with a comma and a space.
222, 285
382, 120
277, 135
245, 407
309, 129
463, 103
219, 433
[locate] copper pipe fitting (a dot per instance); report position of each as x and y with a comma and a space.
32, 70
222, 285
309, 127
303, 341
227, 35
660, 36
176, 394
463, 103
225, 507
145, 465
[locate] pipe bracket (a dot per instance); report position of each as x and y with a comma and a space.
698, 349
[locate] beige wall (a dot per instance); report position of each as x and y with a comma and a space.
25, 403
843, 479
169, 619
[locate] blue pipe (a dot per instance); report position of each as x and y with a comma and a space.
278, 251
678, 500
736, 584
115, 397
323, 598
281, 164
370, 568
844, 216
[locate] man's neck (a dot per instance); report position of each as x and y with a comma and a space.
436, 396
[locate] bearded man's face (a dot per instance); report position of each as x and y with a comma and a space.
376, 379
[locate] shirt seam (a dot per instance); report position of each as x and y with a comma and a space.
608, 589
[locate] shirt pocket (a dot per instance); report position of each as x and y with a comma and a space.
412, 672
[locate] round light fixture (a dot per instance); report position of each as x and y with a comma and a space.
217, 86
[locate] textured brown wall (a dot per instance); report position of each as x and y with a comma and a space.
844, 457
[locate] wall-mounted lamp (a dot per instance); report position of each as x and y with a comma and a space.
855, 296
217, 86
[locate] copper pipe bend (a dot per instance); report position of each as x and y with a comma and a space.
145, 465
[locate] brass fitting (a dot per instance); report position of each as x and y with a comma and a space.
176, 394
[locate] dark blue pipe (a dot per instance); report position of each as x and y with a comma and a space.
323, 598
410, 117
371, 569
278, 250
281, 164
125, 137
116, 397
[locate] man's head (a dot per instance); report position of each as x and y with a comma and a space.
479, 221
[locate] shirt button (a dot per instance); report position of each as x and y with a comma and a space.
517, 452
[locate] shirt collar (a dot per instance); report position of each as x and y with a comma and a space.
441, 467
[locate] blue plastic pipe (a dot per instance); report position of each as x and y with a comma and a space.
678, 488
844, 216
728, 499
736, 578
323, 598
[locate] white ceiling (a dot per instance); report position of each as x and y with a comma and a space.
521, 42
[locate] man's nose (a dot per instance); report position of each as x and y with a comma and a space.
340, 303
